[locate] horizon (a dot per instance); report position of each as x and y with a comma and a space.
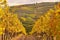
23, 2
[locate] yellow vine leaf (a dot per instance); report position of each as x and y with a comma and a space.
10, 21
49, 23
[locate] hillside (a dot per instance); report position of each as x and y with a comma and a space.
38, 8
28, 14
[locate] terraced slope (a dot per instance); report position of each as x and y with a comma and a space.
38, 8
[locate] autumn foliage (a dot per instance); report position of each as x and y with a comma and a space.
49, 22
9, 22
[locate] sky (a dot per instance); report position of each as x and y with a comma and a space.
22, 2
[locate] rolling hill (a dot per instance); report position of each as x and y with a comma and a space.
28, 14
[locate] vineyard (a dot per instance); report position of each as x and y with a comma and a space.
46, 27
48, 24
